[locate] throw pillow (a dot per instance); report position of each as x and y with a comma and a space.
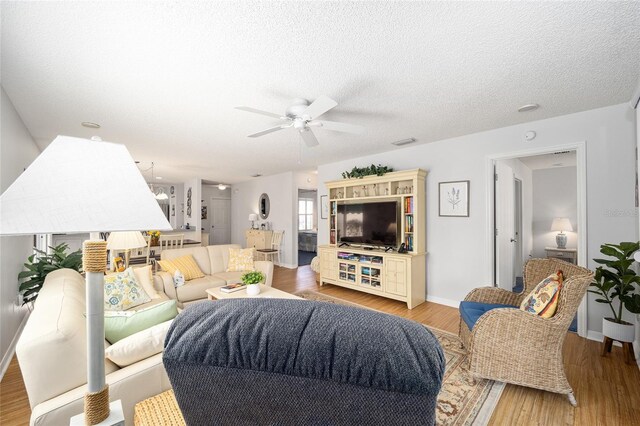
122, 291
186, 264
118, 325
144, 276
178, 278
240, 260
543, 299
138, 346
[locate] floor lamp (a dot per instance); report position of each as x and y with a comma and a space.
69, 189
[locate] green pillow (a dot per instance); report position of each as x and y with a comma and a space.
120, 324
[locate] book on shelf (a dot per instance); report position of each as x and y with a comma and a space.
230, 288
408, 205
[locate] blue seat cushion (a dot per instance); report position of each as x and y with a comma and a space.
471, 311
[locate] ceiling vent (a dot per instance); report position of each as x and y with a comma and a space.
404, 142
561, 152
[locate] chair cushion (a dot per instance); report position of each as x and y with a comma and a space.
196, 289
122, 291
185, 264
543, 299
472, 311
240, 260
229, 277
144, 275
118, 325
138, 346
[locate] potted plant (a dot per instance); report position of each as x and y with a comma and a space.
40, 264
616, 280
252, 280
155, 237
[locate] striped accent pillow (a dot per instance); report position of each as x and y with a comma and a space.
185, 264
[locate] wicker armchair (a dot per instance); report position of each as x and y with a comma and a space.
513, 346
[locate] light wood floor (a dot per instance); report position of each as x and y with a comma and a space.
607, 389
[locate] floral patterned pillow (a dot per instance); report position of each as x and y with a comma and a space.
240, 260
543, 300
122, 291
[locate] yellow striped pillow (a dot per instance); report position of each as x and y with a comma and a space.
186, 264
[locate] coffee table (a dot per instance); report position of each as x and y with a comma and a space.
265, 293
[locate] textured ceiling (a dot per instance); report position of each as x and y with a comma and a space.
163, 78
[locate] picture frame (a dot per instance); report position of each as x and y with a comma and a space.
118, 264
324, 206
453, 198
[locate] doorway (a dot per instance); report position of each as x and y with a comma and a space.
220, 232
307, 225
530, 189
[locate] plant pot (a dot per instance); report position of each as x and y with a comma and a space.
155, 241
622, 332
253, 289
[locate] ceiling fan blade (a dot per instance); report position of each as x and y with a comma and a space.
259, 111
309, 138
267, 131
338, 127
319, 107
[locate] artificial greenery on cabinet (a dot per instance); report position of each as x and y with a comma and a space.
360, 172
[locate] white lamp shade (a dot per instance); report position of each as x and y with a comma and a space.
125, 240
80, 186
253, 217
561, 224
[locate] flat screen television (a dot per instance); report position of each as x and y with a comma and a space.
369, 223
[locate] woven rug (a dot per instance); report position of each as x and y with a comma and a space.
460, 402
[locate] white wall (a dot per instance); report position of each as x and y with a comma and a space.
244, 201
17, 151
554, 195
195, 223
457, 258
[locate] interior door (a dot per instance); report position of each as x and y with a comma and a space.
505, 225
220, 221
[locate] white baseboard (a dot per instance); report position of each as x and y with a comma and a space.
442, 301
595, 335
11, 350
287, 265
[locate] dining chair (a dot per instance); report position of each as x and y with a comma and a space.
274, 251
167, 242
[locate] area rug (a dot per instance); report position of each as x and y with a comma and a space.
461, 401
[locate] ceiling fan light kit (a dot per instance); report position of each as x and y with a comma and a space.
302, 116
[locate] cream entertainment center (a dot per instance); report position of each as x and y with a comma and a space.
377, 232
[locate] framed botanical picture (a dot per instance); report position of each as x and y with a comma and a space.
324, 207
454, 198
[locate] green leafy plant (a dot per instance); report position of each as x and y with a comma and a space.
360, 172
616, 280
40, 264
254, 277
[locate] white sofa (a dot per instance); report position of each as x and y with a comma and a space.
52, 352
213, 261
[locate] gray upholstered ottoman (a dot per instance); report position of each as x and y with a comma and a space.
298, 362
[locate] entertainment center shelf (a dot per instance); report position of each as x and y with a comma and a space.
395, 204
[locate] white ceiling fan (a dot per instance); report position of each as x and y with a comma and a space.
303, 116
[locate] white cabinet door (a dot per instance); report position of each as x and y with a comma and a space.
395, 274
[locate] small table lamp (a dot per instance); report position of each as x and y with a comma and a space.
125, 241
69, 189
252, 218
561, 224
